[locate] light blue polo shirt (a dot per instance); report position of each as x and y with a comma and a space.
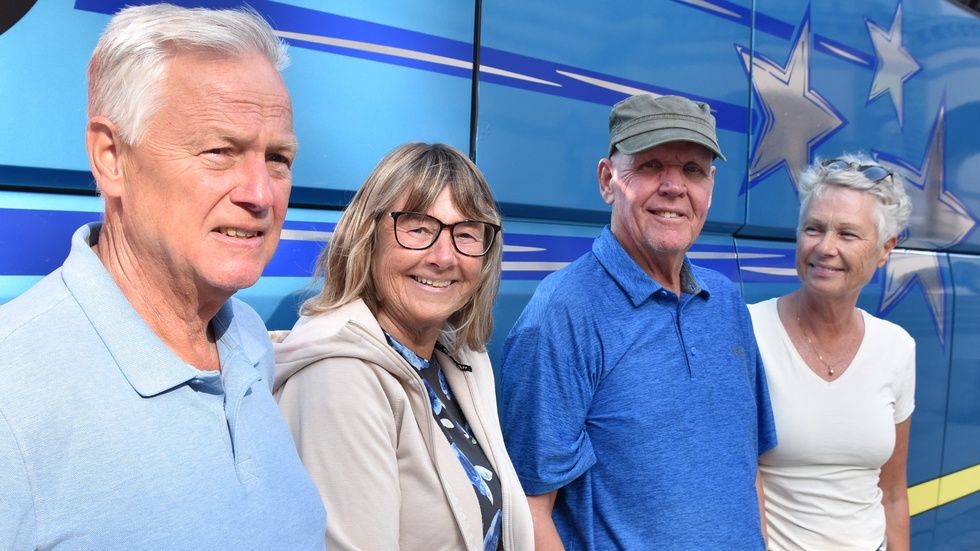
647, 411
109, 441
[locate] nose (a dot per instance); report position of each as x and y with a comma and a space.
672, 182
827, 244
254, 190
442, 253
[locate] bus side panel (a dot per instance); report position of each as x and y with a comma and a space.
540, 136
956, 526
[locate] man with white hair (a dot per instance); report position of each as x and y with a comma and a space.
135, 402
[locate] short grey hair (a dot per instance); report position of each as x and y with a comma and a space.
130, 61
893, 206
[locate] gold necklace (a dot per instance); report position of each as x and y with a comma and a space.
830, 366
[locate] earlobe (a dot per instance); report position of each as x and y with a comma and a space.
886, 249
104, 149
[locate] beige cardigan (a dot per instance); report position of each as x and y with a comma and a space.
363, 425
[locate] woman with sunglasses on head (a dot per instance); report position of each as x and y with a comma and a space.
842, 381
385, 380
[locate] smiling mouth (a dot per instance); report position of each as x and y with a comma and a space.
239, 233
666, 214
431, 283
827, 268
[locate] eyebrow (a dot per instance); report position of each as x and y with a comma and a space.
810, 220
292, 145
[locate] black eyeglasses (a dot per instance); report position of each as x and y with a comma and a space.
417, 231
875, 173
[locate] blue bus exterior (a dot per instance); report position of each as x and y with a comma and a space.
525, 87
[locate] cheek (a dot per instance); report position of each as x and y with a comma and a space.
702, 201
802, 251
473, 268
387, 269
282, 197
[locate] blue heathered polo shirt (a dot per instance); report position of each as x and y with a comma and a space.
648, 412
109, 441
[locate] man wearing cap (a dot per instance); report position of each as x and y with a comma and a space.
633, 399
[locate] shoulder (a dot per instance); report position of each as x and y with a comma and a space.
887, 332
331, 322
764, 309
479, 362
714, 281
572, 287
34, 328
561, 307
581, 271
31, 312
724, 296
344, 337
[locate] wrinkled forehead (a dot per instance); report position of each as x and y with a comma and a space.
681, 152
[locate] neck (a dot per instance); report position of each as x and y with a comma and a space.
664, 267
828, 331
664, 270
823, 315
419, 342
178, 317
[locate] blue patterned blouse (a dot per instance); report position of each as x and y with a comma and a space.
472, 458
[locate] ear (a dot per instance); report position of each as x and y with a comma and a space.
886, 249
711, 192
104, 155
605, 174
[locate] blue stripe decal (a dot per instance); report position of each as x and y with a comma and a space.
545, 76
35, 242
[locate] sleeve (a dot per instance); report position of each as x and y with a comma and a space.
767, 422
18, 525
758, 321
346, 436
905, 395
547, 382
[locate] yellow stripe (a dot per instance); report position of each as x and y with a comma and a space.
923, 497
942, 490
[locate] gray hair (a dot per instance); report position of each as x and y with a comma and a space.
417, 172
131, 59
893, 206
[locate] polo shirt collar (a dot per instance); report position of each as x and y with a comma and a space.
635, 282
149, 365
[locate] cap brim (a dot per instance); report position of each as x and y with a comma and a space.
653, 138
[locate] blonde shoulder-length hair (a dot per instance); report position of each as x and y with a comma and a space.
416, 173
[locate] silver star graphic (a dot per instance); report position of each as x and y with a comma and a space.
895, 64
904, 270
939, 220
796, 118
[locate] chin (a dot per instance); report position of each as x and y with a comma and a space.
233, 281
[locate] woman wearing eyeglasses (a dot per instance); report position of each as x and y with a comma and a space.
385, 380
841, 381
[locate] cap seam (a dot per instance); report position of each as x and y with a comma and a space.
694, 132
646, 118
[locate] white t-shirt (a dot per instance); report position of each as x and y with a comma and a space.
821, 481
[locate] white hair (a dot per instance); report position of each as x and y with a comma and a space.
893, 208
130, 61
